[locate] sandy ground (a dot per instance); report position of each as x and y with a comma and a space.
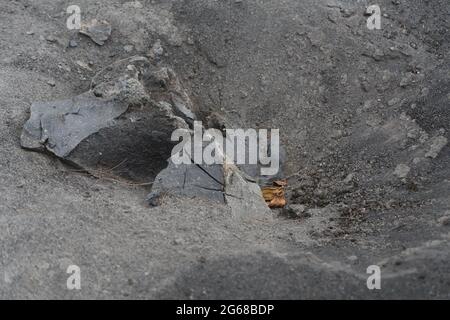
346, 99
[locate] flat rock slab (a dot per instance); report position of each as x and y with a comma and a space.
190, 180
114, 130
59, 126
103, 136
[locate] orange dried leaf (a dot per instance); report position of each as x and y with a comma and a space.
274, 196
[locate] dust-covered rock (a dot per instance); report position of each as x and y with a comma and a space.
98, 31
437, 144
115, 129
401, 170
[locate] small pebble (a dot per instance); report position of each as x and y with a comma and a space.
50, 39
128, 48
73, 44
445, 220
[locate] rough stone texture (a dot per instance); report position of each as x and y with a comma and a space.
190, 180
221, 183
401, 170
347, 100
59, 126
120, 128
117, 128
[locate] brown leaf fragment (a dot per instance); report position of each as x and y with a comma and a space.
274, 195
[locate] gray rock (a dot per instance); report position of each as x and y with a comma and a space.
347, 13
437, 144
128, 48
98, 31
296, 211
189, 180
402, 170
73, 44
244, 197
217, 183
178, 241
60, 126
349, 178
156, 51
133, 4
50, 39
299, 208
115, 129
445, 220
406, 80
